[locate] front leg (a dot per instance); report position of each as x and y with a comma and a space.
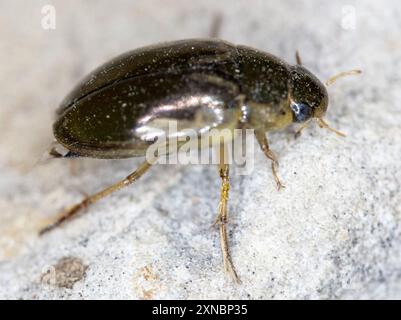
264, 144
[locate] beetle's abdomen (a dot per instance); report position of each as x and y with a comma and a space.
123, 119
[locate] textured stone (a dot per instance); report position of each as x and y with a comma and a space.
333, 232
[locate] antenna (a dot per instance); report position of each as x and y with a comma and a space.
333, 79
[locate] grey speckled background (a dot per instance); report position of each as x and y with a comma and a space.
334, 232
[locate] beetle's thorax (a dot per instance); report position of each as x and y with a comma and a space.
265, 82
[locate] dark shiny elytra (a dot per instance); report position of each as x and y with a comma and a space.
116, 110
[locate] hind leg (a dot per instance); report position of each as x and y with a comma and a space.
71, 212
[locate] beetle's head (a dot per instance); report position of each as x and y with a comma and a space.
308, 96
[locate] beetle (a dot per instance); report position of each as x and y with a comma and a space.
114, 111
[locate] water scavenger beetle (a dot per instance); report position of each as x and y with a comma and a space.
112, 112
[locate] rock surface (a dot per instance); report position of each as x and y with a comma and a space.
333, 232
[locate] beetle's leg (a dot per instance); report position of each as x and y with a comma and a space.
301, 128
264, 144
75, 209
221, 219
298, 58
216, 25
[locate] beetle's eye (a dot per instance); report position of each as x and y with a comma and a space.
301, 111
